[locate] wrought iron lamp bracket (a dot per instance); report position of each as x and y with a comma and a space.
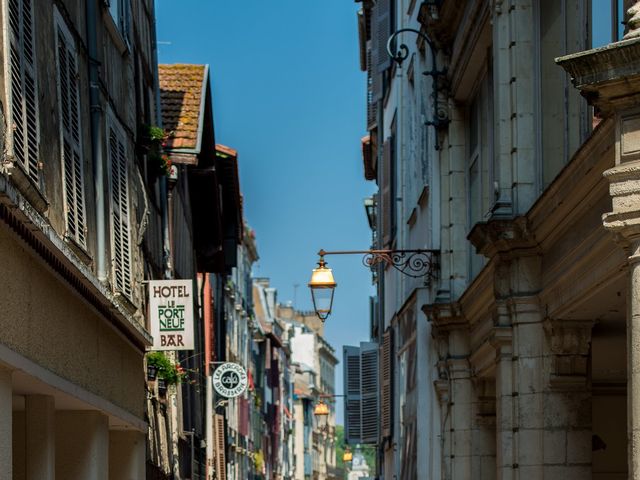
418, 263
440, 116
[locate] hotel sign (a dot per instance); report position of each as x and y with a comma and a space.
171, 314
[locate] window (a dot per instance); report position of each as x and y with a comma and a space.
606, 22
22, 87
121, 15
68, 83
480, 164
120, 224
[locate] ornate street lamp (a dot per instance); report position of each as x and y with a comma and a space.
413, 263
322, 286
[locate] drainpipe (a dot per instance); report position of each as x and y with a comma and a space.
97, 137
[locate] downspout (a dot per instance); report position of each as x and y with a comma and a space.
96, 137
207, 315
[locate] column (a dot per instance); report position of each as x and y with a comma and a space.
6, 425
40, 437
82, 440
126, 455
633, 359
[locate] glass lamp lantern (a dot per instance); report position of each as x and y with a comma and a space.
322, 286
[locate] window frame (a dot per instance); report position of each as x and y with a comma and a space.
61, 28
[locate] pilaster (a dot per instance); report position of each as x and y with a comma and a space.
6, 424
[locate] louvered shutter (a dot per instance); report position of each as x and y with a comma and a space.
23, 89
351, 377
374, 77
70, 134
382, 18
120, 226
386, 204
219, 441
370, 413
373, 94
386, 410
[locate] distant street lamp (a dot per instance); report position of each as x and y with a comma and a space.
413, 263
321, 409
347, 456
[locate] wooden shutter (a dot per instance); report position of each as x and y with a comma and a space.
70, 134
382, 18
219, 444
369, 390
373, 94
23, 88
120, 226
386, 410
386, 200
351, 378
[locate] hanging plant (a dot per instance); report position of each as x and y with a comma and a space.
170, 373
152, 141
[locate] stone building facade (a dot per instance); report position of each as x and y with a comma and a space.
78, 79
521, 349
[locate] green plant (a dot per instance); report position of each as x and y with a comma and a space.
171, 373
151, 142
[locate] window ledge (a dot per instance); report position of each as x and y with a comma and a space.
26, 187
118, 39
79, 250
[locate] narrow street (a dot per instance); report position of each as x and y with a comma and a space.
336, 240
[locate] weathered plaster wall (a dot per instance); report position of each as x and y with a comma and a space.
45, 321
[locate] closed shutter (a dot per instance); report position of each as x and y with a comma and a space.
23, 89
219, 442
382, 18
369, 387
386, 379
372, 94
386, 204
353, 416
120, 226
70, 134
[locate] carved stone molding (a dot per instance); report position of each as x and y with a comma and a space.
445, 317
608, 77
569, 342
633, 21
511, 237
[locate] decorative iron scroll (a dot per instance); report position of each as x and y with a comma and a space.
415, 264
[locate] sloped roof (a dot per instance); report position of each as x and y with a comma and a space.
183, 97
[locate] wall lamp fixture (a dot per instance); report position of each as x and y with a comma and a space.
413, 263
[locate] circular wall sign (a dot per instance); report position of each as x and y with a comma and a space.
230, 380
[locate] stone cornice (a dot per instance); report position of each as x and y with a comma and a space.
445, 316
503, 237
608, 77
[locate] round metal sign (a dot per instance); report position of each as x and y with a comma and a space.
230, 380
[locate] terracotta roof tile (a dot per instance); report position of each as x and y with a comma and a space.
181, 88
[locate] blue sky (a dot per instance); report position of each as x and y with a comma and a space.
288, 94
